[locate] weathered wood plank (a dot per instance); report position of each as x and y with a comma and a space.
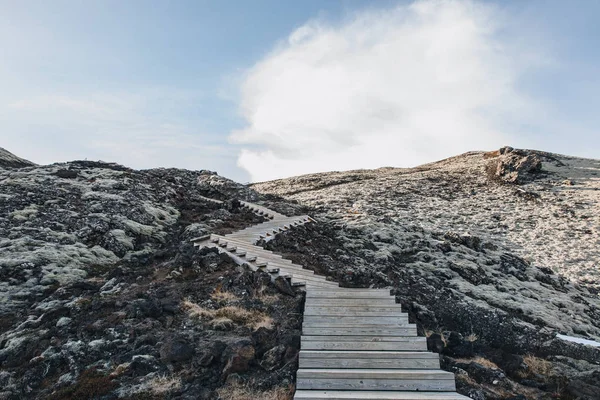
332, 312
306, 354
409, 330
346, 294
310, 320
357, 339
376, 384
365, 346
341, 373
349, 302
375, 395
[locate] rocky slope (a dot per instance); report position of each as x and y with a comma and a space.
9, 160
102, 295
493, 254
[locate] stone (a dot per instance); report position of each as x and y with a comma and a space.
176, 350
63, 321
66, 173
240, 355
435, 343
284, 286
273, 358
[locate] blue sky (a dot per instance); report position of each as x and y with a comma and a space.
264, 89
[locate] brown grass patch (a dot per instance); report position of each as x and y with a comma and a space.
491, 154
538, 365
239, 392
220, 295
479, 360
265, 298
240, 316
164, 384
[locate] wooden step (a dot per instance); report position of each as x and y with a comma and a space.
310, 320
332, 312
350, 302
393, 308
408, 330
368, 359
295, 266
416, 343
261, 264
375, 379
342, 294
375, 395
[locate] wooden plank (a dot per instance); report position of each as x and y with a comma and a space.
365, 346
341, 373
371, 363
338, 294
408, 330
377, 308
332, 312
339, 319
324, 284
291, 263
363, 338
375, 395
360, 290
376, 384
349, 302
306, 354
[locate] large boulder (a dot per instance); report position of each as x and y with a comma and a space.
510, 165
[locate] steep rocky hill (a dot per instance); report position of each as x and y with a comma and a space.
493, 254
102, 295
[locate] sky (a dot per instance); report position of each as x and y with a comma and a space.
259, 90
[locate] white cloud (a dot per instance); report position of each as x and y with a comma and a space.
394, 87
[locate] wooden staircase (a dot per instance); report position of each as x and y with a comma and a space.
356, 343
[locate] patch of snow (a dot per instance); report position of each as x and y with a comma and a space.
578, 340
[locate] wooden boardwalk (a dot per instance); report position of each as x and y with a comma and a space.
356, 343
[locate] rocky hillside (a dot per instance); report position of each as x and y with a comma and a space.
9, 160
493, 254
102, 296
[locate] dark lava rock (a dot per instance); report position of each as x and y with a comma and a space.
284, 286
66, 173
240, 355
176, 350
273, 358
436, 343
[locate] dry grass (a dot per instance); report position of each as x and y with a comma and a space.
472, 338
239, 392
195, 311
265, 298
538, 365
164, 384
240, 316
479, 360
220, 295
